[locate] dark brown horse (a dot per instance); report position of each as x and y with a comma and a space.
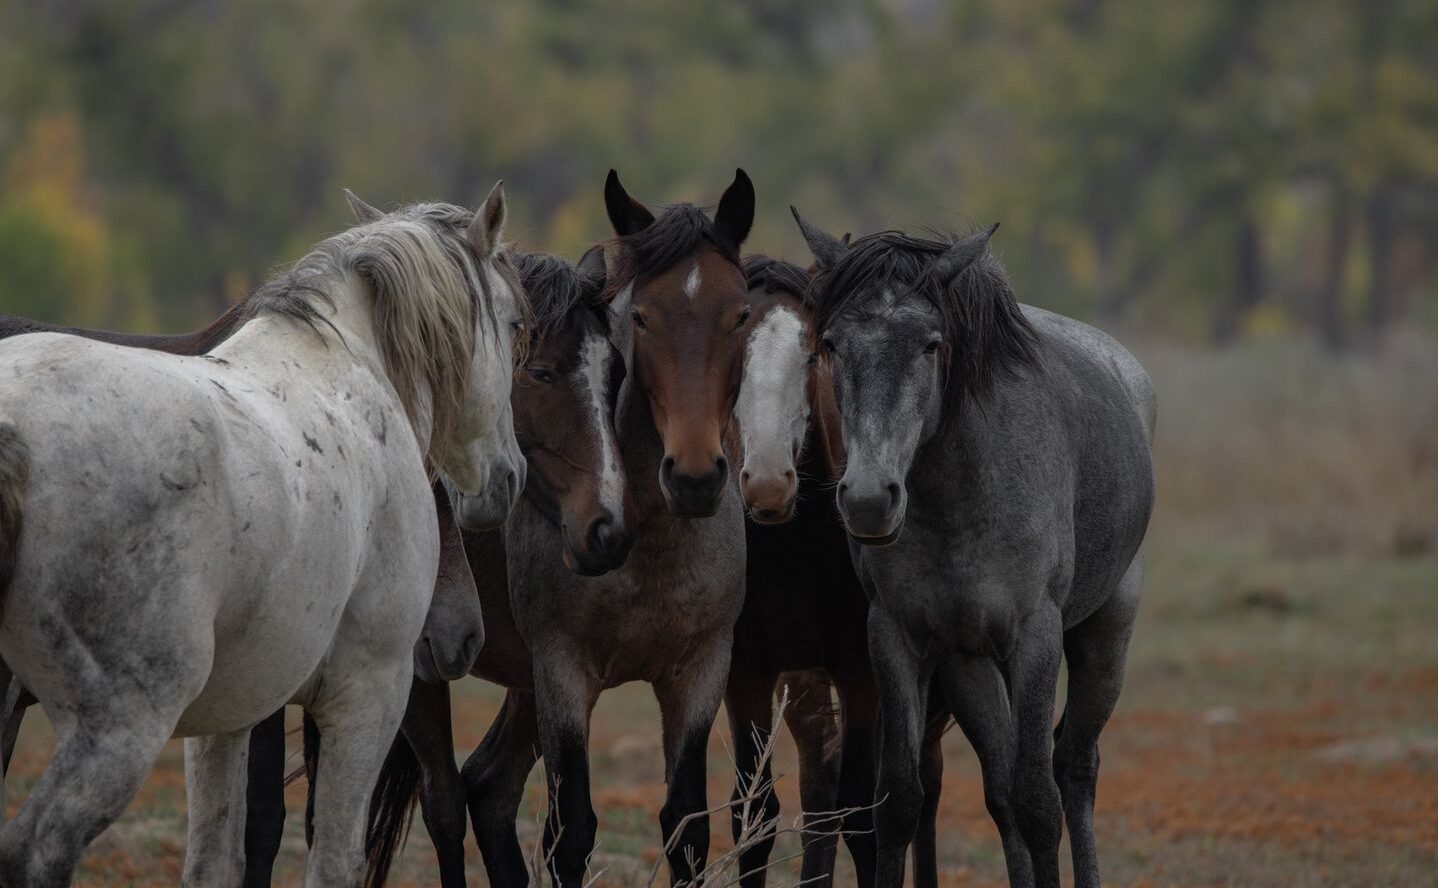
805, 614
563, 402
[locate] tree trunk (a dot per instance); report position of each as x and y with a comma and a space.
1247, 281
1329, 314
1381, 308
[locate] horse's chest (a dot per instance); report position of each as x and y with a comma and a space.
658, 612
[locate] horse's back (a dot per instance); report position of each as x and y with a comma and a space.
1106, 403
1105, 356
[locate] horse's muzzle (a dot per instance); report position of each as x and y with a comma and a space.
693, 495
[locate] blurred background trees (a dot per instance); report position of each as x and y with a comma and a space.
1208, 171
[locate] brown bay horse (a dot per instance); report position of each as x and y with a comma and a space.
680, 309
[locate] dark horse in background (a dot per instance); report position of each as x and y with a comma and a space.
805, 614
998, 487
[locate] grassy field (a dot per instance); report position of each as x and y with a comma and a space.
1280, 720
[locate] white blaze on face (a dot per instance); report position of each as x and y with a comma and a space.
773, 405
691, 283
593, 378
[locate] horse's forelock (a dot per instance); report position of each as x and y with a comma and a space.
985, 332
680, 231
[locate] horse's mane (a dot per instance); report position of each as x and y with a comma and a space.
555, 290
428, 291
678, 232
774, 275
985, 332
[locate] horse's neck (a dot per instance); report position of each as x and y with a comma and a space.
641, 447
322, 354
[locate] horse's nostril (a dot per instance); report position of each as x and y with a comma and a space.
788, 474
892, 488
744, 476
721, 465
471, 646
666, 468
601, 534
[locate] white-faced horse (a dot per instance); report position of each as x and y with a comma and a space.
189, 543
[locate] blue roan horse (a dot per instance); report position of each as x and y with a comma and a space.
998, 487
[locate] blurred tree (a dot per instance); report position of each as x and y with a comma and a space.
1194, 168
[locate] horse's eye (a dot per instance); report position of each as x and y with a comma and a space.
542, 374
517, 326
932, 346
829, 345
744, 318
812, 359
638, 319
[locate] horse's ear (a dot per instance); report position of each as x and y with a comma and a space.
488, 224
735, 215
363, 212
961, 255
626, 214
591, 264
826, 248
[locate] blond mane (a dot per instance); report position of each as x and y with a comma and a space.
429, 289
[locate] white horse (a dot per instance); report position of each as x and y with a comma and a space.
187, 544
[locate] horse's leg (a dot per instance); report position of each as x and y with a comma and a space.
357, 713
564, 697
976, 693
931, 777
215, 770
860, 711
1095, 650
748, 698
426, 726
494, 778
810, 718
1033, 670
265, 800
688, 703
898, 793
101, 757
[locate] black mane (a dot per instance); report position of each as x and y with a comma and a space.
555, 289
985, 332
679, 231
771, 275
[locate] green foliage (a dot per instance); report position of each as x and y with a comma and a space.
1126, 146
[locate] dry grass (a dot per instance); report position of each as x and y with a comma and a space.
1278, 725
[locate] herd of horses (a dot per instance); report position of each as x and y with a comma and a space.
878, 478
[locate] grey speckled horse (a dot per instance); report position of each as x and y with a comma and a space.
998, 487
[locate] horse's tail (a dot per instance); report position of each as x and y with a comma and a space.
14, 475
391, 810
391, 806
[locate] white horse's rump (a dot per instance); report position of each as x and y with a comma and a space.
194, 542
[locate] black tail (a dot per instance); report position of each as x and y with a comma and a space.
311, 769
14, 475
391, 811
